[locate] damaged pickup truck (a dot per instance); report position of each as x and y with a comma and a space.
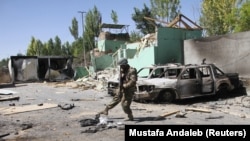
148, 72
186, 81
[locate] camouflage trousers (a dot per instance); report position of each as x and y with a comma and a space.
125, 98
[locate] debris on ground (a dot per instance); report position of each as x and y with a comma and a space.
82, 99
26, 126
99, 123
181, 114
3, 135
9, 98
245, 101
198, 110
66, 106
214, 117
166, 114
26, 108
6, 92
97, 82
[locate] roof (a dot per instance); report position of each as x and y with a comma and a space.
115, 26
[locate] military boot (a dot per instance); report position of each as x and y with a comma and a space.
105, 111
129, 118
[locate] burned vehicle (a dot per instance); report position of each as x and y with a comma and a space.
148, 72
186, 81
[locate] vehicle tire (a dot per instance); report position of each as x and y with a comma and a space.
223, 91
166, 96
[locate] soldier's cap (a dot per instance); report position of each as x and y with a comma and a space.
122, 61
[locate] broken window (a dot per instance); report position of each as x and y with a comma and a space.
205, 71
189, 73
172, 73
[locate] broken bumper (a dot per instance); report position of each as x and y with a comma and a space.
145, 95
112, 91
141, 95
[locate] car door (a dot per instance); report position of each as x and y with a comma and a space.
189, 83
207, 80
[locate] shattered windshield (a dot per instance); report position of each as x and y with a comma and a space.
171, 73
151, 72
144, 72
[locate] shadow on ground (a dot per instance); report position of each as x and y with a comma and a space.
235, 93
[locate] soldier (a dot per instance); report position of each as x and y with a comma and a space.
125, 93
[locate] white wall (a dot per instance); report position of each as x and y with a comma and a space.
230, 52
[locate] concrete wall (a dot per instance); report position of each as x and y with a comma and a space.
144, 58
170, 44
109, 45
230, 52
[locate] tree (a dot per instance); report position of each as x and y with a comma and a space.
135, 36
35, 47
219, 17
142, 24
165, 9
4, 62
31, 48
114, 17
44, 51
77, 50
57, 46
92, 28
39, 46
67, 49
243, 20
74, 28
50, 47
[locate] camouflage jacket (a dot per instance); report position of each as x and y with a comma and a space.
130, 78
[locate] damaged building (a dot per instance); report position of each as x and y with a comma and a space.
175, 42
39, 68
162, 47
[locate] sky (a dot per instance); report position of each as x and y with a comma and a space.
45, 19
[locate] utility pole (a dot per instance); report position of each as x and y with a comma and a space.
84, 56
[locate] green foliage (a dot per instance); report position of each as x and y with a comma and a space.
50, 48
77, 50
4, 62
35, 47
67, 49
135, 36
92, 28
32, 49
165, 9
114, 17
77, 47
57, 47
219, 17
142, 24
243, 21
74, 28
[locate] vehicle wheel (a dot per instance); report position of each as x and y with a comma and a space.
223, 92
166, 96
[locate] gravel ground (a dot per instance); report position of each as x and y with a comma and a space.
60, 124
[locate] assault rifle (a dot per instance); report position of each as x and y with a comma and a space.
120, 82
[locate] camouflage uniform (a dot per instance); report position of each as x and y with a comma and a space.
125, 96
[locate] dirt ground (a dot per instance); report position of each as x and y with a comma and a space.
73, 116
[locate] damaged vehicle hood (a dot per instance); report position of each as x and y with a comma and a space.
158, 82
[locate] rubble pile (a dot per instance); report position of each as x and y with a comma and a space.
97, 81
